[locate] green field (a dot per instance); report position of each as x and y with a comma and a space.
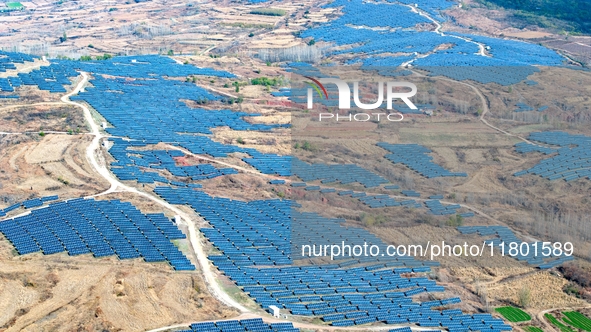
577, 320
14, 5
268, 11
533, 329
513, 314
557, 323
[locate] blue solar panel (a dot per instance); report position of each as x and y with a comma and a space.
570, 158
259, 241
416, 158
103, 228
508, 61
531, 254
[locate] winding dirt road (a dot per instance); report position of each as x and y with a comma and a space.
97, 160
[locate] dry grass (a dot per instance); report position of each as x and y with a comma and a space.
42, 118
64, 293
546, 291
50, 165
266, 142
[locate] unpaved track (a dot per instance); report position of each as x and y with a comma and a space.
485, 107
416, 10
93, 154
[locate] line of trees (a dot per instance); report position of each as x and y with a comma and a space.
575, 12
303, 53
144, 31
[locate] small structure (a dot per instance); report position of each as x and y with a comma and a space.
177, 219
104, 125
276, 313
11, 6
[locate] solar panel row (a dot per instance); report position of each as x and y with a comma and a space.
530, 252
256, 241
570, 160
416, 157
254, 324
103, 228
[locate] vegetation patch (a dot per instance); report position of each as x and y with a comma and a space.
577, 320
266, 81
14, 5
575, 13
557, 323
513, 314
268, 11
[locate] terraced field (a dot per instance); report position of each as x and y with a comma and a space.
513, 314
562, 327
577, 319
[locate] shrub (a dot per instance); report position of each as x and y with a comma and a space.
455, 221
105, 56
308, 146
264, 81
524, 297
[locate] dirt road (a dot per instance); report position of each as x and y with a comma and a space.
97, 160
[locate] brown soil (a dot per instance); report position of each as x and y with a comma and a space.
55, 164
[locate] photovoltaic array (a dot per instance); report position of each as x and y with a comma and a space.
254, 324
8, 60
506, 62
103, 228
378, 201
531, 255
133, 164
436, 208
416, 157
570, 160
140, 102
258, 241
342, 173
28, 204
49, 78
